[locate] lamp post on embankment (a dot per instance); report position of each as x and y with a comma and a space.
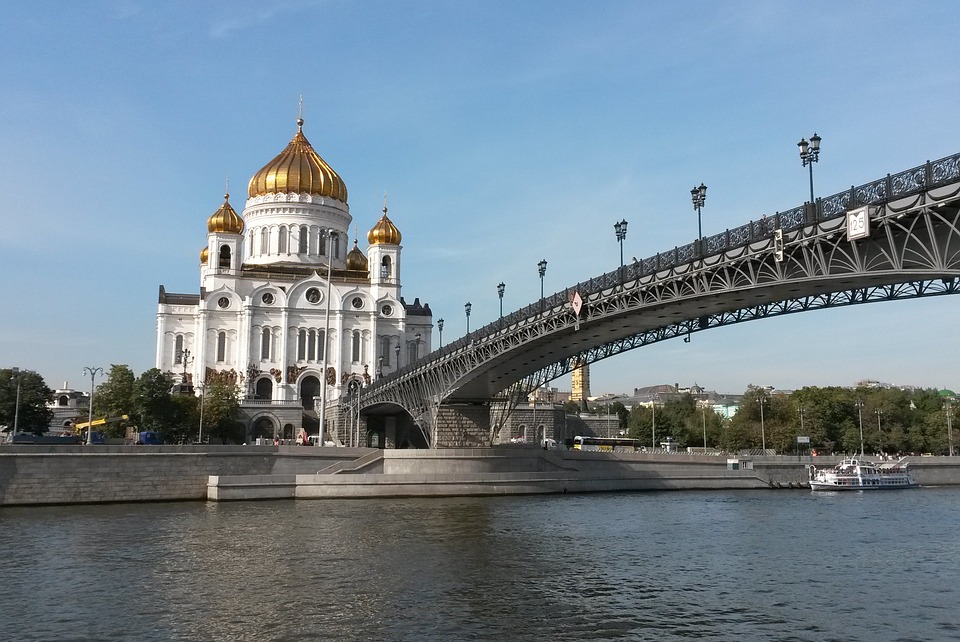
93, 372
859, 405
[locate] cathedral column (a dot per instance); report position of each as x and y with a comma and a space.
200, 356
284, 355
244, 319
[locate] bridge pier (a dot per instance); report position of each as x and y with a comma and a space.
463, 426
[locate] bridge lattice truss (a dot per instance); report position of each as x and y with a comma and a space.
793, 261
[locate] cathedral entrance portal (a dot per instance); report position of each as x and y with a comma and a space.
309, 390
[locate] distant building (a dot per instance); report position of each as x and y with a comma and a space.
67, 405
580, 380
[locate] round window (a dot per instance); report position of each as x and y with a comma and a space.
267, 298
387, 310
223, 302
357, 302
313, 295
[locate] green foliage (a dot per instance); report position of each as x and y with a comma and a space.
31, 414
155, 408
893, 421
115, 397
221, 411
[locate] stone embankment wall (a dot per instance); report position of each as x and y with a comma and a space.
84, 474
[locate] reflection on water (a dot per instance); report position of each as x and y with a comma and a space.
633, 566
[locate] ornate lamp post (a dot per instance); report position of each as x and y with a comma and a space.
763, 434
703, 412
800, 412
879, 412
15, 372
859, 405
416, 352
949, 406
621, 230
440, 328
92, 371
500, 289
202, 385
326, 340
542, 269
466, 309
396, 351
699, 196
810, 154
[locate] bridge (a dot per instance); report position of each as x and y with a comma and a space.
894, 238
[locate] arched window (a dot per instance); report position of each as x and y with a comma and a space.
355, 347
321, 344
264, 389
221, 346
336, 246
312, 345
63, 400
282, 241
385, 350
178, 349
265, 343
224, 256
264, 240
301, 345
412, 351
304, 239
385, 268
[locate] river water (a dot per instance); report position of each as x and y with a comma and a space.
748, 565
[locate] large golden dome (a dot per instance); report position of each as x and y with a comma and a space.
299, 170
356, 261
384, 232
225, 219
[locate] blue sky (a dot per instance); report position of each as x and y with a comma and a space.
503, 133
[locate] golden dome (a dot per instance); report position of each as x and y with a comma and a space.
225, 219
300, 170
356, 260
204, 253
384, 232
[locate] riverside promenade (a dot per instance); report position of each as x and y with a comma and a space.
35, 475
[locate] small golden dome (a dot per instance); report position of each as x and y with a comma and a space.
356, 261
204, 253
299, 170
225, 219
384, 232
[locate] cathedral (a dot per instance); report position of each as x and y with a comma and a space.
287, 310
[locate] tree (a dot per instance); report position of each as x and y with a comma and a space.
31, 414
221, 411
154, 406
115, 397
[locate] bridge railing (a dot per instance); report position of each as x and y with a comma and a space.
930, 175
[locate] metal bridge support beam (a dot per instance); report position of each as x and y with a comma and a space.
463, 426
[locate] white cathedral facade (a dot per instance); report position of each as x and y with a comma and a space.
268, 317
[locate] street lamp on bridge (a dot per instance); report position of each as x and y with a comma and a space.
810, 154
396, 351
440, 328
542, 269
466, 309
500, 289
699, 196
416, 352
621, 230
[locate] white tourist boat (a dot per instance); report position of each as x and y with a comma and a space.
859, 474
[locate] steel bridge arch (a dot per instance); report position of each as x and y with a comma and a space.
796, 261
